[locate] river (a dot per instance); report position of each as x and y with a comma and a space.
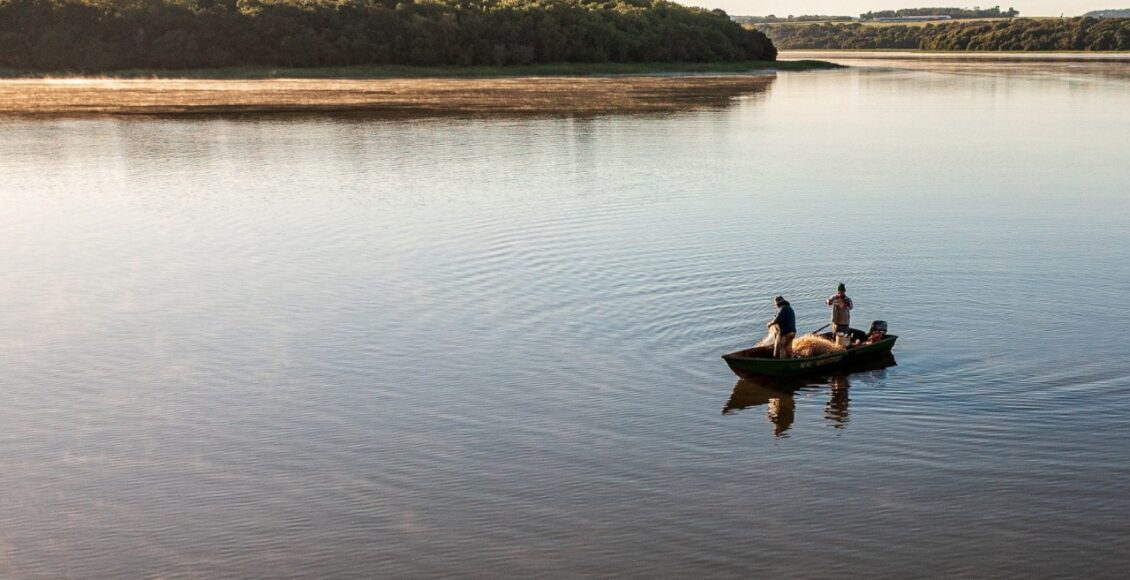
476, 346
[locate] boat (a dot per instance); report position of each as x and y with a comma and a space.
759, 362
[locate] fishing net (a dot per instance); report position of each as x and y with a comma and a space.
770, 339
812, 345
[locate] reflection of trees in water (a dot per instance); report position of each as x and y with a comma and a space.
779, 397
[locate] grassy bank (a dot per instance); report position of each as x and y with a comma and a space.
407, 72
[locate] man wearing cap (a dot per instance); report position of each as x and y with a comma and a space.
841, 310
785, 321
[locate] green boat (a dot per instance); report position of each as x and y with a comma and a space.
759, 362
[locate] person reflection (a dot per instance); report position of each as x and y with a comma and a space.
836, 409
781, 412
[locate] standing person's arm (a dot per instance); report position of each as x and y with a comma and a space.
848, 303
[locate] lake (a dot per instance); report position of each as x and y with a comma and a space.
347, 347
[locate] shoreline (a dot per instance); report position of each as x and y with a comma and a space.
409, 72
1029, 56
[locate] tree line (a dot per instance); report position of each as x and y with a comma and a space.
103, 35
772, 18
1022, 34
955, 13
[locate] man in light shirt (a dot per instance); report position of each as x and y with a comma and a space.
841, 310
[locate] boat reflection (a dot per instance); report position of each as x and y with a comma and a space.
779, 396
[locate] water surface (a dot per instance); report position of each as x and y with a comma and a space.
488, 347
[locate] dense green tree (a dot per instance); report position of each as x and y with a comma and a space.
1029, 34
955, 13
98, 35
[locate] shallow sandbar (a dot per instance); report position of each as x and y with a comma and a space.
392, 97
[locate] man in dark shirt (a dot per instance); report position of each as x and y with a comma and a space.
785, 321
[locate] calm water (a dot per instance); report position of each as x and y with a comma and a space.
342, 348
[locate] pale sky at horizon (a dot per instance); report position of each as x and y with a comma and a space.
857, 7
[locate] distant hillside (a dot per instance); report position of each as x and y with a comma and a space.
1118, 13
100, 35
1018, 34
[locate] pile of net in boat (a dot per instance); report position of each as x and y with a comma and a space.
804, 346
812, 345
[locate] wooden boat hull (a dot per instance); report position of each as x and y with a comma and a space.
759, 362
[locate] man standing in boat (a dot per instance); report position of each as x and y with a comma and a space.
841, 311
785, 321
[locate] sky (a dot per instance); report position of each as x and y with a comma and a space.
857, 7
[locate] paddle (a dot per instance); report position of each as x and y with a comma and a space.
821, 328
